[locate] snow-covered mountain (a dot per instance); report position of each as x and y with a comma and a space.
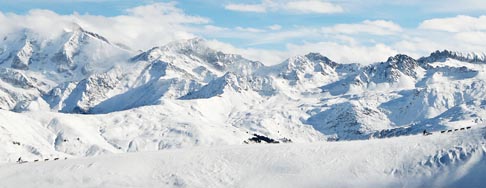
79, 94
32, 64
441, 56
73, 55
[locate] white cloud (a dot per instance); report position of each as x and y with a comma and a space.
313, 6
246, 7
214, 29
249, 29
7, 25
275, 27
57, 1
141, 27
300, 6
472, 37
275, 34
367, 41
363, 42
45, 23
455, 24
282, 36
268, 57
457, 6
375, 27
420, 6
459, 33
163, 11
258, 36
417, 47
346, 53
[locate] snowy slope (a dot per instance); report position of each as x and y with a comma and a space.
171, 71
70, 56
440, 160
151, 128
78, 94
31, 61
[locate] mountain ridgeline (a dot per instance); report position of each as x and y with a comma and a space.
309, 97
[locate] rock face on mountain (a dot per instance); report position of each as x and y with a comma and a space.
302, 68
441, 56
232, 82
185, 93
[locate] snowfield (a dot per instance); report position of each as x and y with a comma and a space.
178, 115
440, 160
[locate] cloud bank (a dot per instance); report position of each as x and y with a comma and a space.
140, 28
364, 42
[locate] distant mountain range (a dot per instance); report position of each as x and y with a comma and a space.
185, 93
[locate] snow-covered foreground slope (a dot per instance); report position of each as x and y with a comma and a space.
441, 160
150, 128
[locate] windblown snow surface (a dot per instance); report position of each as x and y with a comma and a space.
179, 115
439, 160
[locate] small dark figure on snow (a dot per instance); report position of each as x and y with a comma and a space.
20, 161
425, 133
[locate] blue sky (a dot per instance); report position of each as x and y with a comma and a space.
273, 29
406, 14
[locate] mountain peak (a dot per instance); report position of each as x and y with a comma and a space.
400, 58
186, 44
76, 30
194, 46
73, 26
308, 59
405, 64
441, 56
196, 53
313, 56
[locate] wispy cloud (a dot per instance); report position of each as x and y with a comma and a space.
346, 53
250, 29
247, 7
364, 41
57, 1
456, 24
300, 6
375, 27
275, 33
463, 6
313, 6
141, 27
275, 27
369, 41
